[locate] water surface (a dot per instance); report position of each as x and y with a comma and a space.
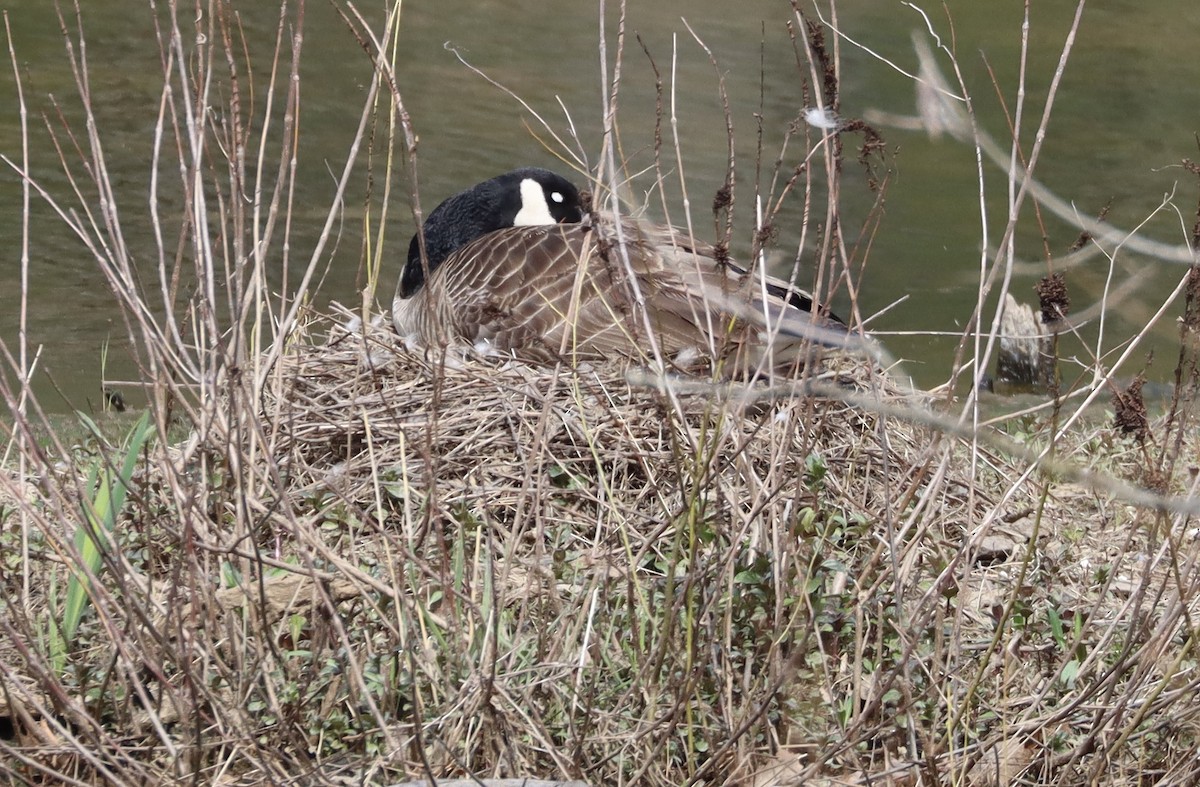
1124, 118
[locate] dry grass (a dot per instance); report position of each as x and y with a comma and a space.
343, 563
491, 569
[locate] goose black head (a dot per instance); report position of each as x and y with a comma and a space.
523, 197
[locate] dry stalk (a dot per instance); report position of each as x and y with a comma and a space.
363, 564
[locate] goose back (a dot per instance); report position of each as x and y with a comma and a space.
617, 287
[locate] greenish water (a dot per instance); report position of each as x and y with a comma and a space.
1123, 120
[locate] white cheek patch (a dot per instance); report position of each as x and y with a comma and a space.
534, 209
557, 197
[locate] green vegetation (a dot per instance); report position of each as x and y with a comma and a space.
106, 488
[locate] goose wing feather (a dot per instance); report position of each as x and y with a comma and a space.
566, 291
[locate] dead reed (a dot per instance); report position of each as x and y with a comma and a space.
338, 561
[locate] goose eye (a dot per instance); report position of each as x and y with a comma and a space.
557, 196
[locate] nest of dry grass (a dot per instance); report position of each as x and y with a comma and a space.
470, 567
653, 561
609, 454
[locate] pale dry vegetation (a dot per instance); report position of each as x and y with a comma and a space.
339, 561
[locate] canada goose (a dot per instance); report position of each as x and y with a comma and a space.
512, 266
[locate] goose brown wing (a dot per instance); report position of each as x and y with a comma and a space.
726, 312
562, 291
762, 304
565, 291
534, 290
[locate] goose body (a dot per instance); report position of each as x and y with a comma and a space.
560, 289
